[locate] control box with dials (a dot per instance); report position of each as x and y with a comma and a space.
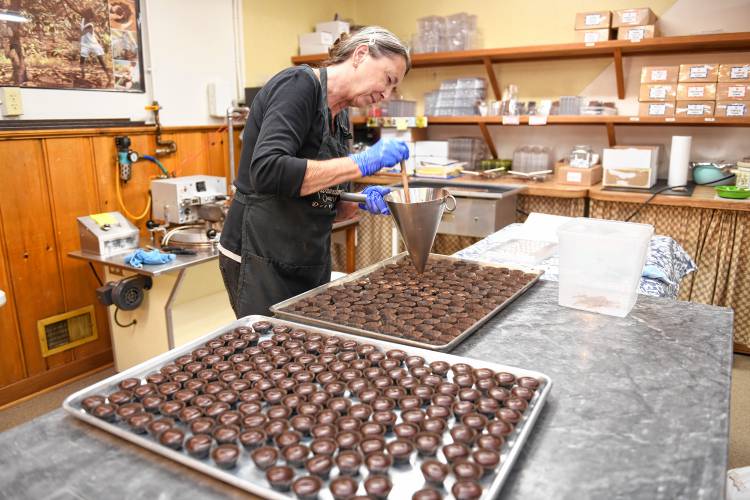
176, 200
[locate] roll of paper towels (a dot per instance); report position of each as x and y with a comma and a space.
679, 160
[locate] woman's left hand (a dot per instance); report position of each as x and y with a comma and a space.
375, 203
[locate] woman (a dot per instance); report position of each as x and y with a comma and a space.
294, 164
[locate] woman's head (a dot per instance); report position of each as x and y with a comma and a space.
377, 61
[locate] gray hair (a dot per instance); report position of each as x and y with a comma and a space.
380, 42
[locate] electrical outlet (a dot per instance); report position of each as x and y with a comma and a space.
11, 101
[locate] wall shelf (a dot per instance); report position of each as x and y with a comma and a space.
608, 121
615, 49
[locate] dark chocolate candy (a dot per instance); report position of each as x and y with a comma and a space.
378, 486
307, 487
434, 472
280, 477
172, 438
225, 456
466, 490
264, 457
199, 445
343, 487
348, 462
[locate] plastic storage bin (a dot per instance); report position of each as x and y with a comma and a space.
601, 262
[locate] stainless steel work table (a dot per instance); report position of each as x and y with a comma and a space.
639, 408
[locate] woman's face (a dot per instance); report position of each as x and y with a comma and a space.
375, 78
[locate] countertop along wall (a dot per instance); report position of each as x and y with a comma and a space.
187, 44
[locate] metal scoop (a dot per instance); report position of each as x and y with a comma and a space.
418, 220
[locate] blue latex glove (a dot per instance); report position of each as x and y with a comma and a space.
153, 257
384, 153
375, 203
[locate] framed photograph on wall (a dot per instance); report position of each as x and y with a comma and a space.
71, 44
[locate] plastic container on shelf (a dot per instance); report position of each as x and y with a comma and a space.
399, 107
601, 262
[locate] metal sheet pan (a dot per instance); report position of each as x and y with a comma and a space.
279, 312
247, 477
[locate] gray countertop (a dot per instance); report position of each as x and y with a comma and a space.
639, 408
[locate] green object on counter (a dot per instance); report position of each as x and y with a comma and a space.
733, 192
493, 164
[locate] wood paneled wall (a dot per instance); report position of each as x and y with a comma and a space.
47, 179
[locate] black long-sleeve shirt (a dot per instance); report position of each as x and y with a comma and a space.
284, 130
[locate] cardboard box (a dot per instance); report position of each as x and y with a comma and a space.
593, 36
663, 109
694, 109
657, 92
707, 73
335, 28
660, 74
732, 109
737, 72
633, 17
696, 91
437, 149
630, 166
738, 91
637, 33
593, 20
313, 48
315, 43
565, 174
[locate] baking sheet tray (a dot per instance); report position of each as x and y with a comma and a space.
247, 477
279, 312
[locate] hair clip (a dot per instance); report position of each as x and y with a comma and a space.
371, 40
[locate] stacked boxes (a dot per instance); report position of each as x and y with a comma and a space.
696, 90
733, 90
593, 27
321, 40
658, 90
635, 24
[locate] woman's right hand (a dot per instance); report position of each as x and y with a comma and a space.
384, 153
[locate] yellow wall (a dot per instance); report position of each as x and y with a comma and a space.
271, 29
505, 23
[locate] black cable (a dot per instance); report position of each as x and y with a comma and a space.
522, 212
117, 322
667, 188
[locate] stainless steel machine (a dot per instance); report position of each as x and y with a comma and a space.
191, 209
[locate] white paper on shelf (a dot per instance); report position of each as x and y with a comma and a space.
679, 159
542, 227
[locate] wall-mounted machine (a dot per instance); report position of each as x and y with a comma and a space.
195, 204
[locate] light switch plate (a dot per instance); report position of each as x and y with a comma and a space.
11, 101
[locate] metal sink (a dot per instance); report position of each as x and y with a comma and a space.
481, 208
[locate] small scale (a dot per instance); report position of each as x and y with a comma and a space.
660, 187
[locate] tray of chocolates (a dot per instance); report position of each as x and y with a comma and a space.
390, 301
284, 410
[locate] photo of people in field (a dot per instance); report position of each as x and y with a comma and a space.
71, 44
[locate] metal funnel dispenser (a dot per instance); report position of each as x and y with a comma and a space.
418, 220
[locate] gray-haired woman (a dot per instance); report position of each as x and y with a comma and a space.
294, 164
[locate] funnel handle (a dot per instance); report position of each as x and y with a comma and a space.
355, 197
445, 200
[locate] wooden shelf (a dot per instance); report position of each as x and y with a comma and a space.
582, 120
608, 121
616, 49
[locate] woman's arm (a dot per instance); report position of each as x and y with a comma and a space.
322, 174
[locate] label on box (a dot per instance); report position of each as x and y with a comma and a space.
629, 16
736, 91
591, 36
657, 109
592, 20
658, 75
574, 176
698, 72
696, 91
738, 72
657, 92
695, 109
511, 120
735, 110
636, 35
538, 120
402, 124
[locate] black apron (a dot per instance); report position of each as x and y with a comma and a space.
286, 242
